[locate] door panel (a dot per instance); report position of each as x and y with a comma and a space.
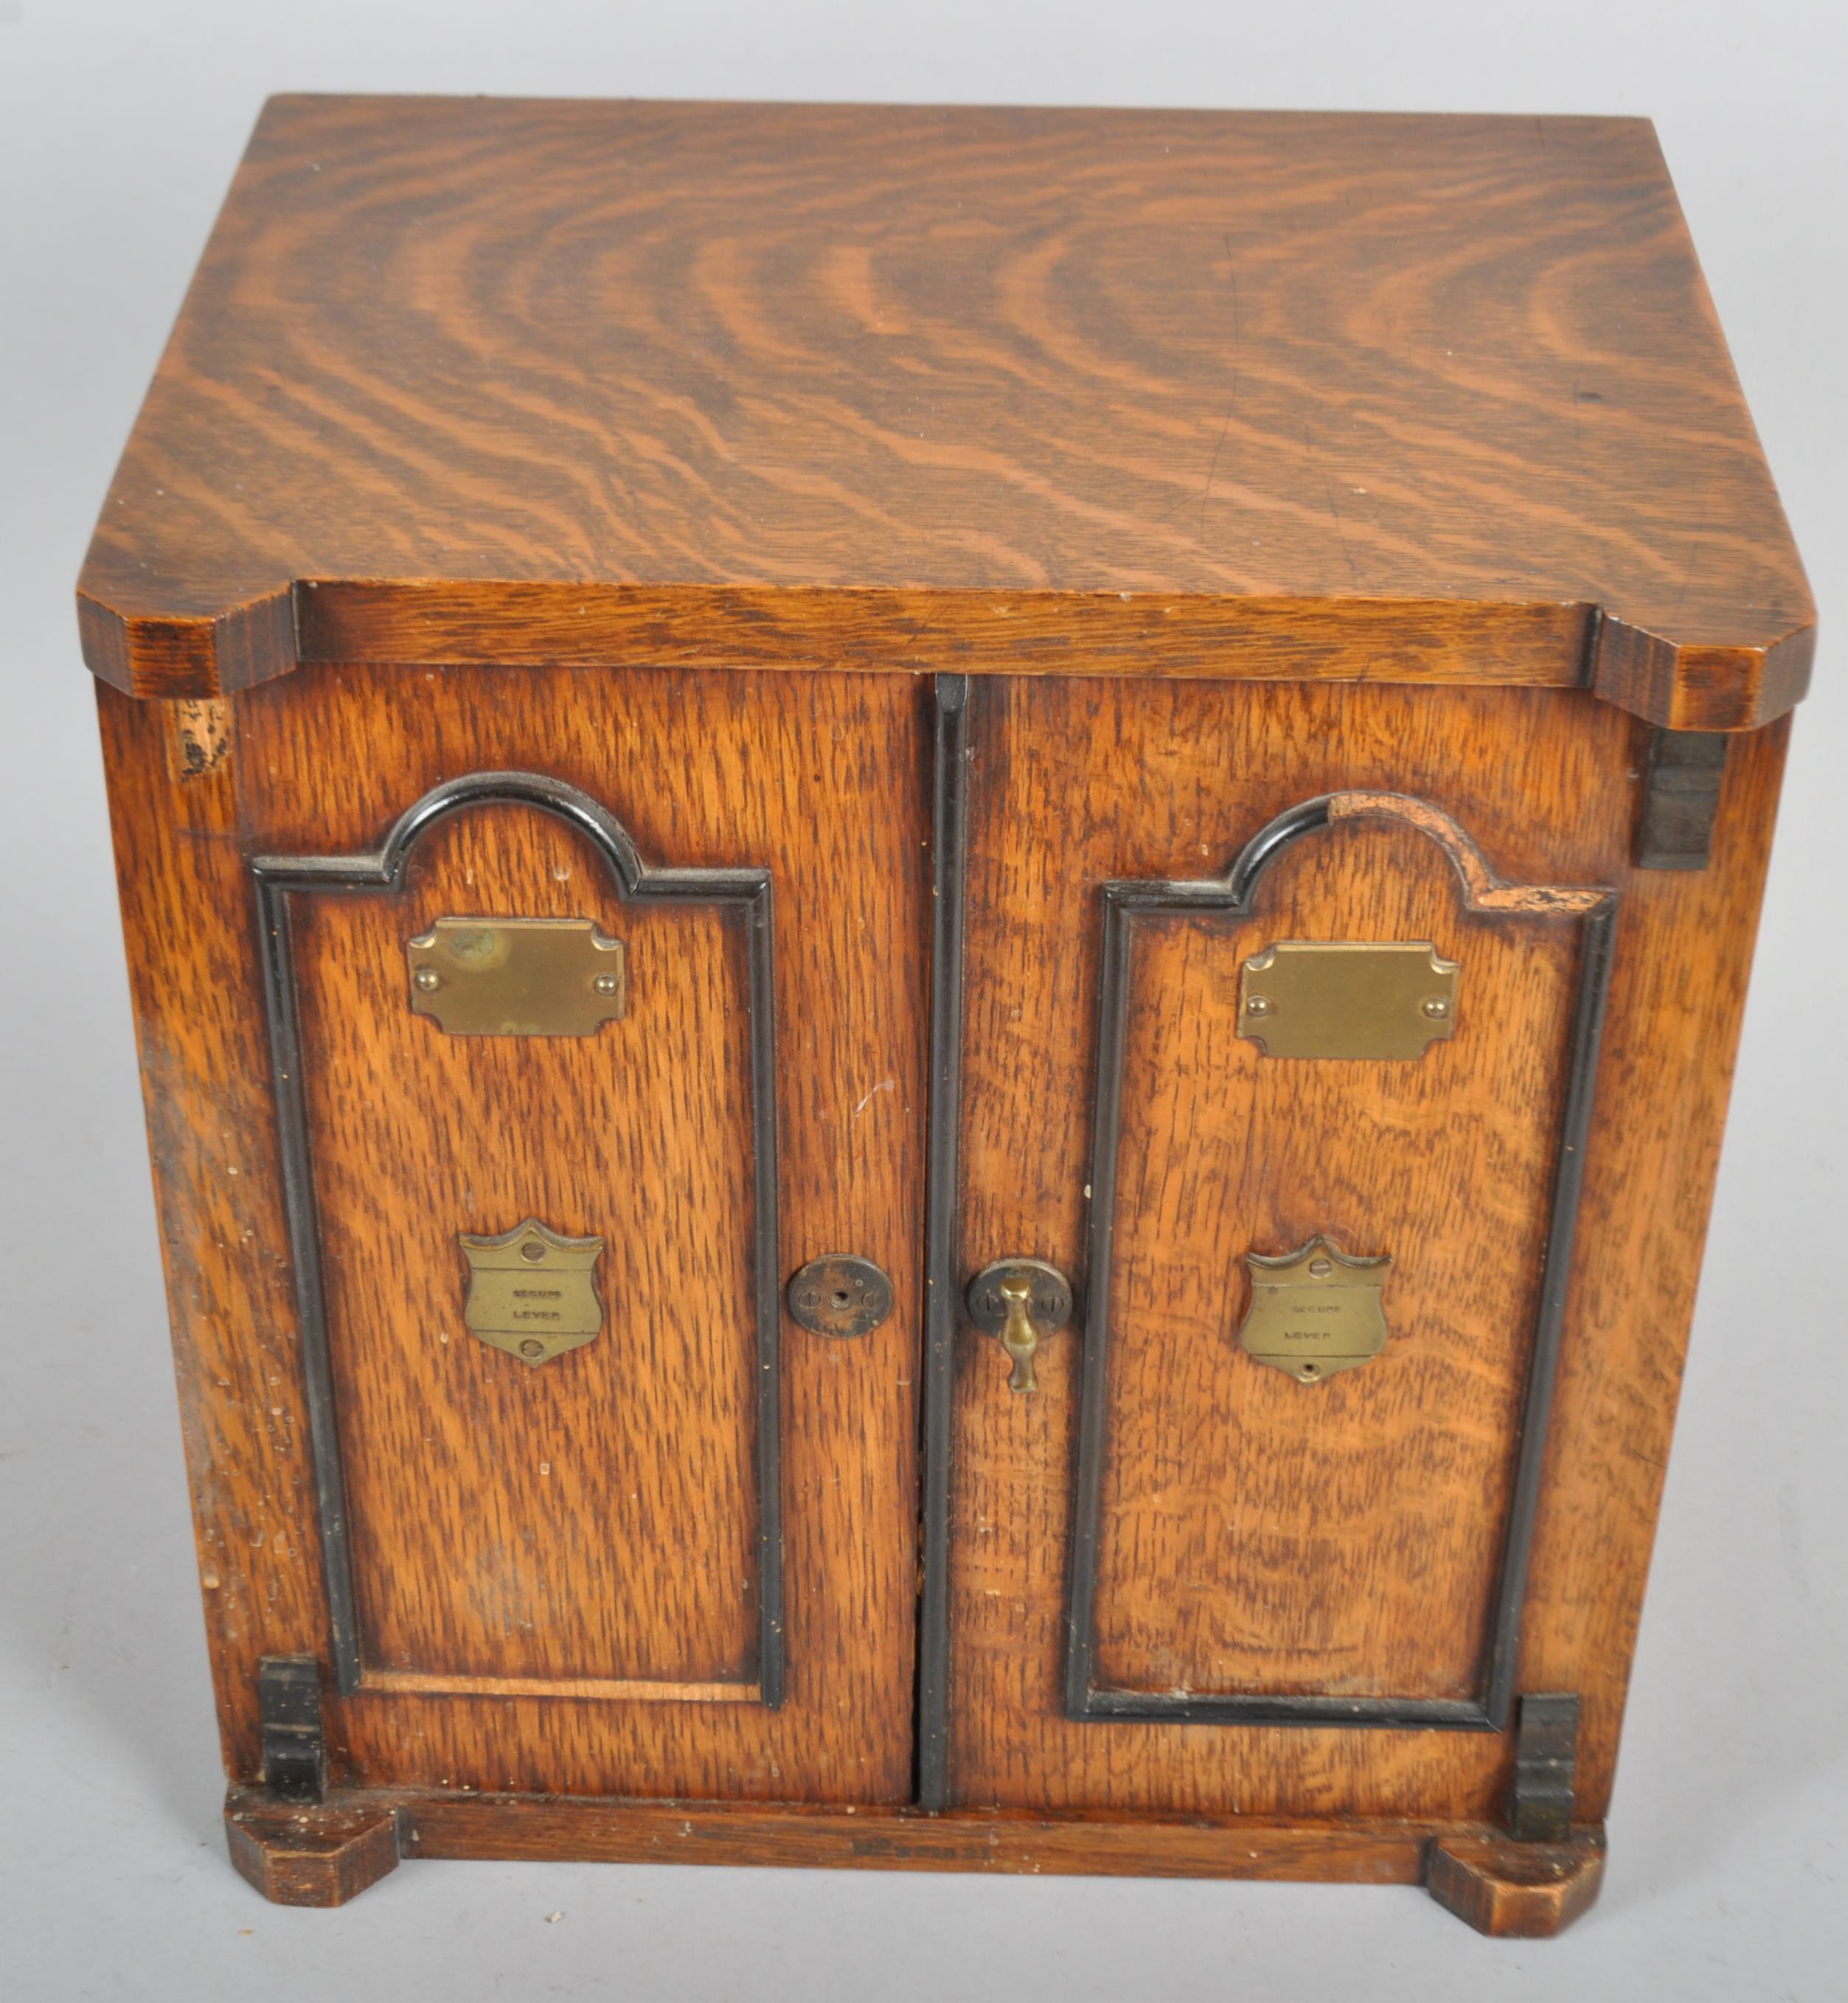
564, 1574
1253, 1545
609, 1534
1258, 1541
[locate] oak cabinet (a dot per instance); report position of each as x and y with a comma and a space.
936, 919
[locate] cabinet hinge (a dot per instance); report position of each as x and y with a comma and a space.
1546, 1758
1680, 796
295, 1744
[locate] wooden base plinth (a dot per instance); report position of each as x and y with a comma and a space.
1525, 1890
323, 1855
319, 1853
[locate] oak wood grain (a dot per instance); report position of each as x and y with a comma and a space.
820, 780
1074, 783
1259, 1534
448, 1825
1518, 1891
323, 1854
663, 449
594, 1517
893, 385
196, 989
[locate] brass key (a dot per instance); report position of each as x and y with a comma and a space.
1019, 1337
1020, 1302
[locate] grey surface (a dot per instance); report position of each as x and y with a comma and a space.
118, 125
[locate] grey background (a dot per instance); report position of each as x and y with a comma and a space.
120, 122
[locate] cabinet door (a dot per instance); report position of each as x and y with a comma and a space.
1185, 1577
608, 1521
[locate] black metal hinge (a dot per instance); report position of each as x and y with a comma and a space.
1545, 1758
295, 1744
1680, 796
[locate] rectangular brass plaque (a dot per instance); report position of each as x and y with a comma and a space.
518, 976
1347, 998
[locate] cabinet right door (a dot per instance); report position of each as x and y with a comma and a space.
1324, 1037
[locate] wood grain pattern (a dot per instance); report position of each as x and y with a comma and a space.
1434, 396
663, 449
325, 1855
575, 1543
1345, 1538
822, 780
197, 991
1074, 783
319, 1855
630, 1832
1101, 632
1518, 1891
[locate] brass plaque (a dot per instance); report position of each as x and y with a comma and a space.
532, 1292
1316, 1311
1343, 998
518, 976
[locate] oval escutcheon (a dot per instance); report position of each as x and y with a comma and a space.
839, 1295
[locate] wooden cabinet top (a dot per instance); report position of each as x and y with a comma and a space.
1111, 392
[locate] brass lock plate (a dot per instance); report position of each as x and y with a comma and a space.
838, 1295
518, 976
532, 1292
1315, 1311
1347, 998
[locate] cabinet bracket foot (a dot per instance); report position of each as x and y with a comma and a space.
1526, 1891
1537, 1878
309, 1854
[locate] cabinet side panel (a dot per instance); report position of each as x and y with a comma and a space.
1678, 995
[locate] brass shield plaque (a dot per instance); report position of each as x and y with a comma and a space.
1315, 1311
517, 977
532, 1292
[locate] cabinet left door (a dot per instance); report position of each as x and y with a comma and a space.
509, 1038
